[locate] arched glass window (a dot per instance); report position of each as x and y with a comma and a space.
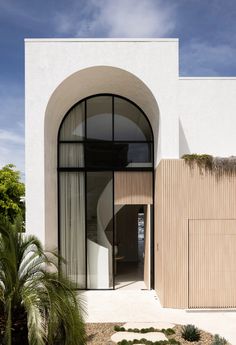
99, 135
107, 132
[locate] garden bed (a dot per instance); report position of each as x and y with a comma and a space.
100, 334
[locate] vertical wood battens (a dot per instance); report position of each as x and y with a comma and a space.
133, 188
147, 246
183, 195
158, 245
212, 270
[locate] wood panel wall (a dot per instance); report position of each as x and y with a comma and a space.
147, 246
183, 194
133, 188
212, 263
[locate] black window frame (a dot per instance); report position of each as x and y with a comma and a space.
113, 168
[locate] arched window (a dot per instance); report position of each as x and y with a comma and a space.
99, 135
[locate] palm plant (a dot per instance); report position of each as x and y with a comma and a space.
38, 306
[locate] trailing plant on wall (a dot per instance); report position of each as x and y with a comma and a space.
217, 165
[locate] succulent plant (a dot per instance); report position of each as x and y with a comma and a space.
190, 333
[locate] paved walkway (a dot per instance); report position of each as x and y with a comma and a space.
125, 305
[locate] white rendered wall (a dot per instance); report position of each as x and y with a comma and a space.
186, 114
207, 115
59, 73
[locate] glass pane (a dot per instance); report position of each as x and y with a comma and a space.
71, 155
99, 118
129, 122
72, 226
99, 155
133, 155
73, 125
99, 230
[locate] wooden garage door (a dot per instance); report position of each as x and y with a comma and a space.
212, 263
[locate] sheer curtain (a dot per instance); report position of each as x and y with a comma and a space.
73, 126
72, 225
71, 155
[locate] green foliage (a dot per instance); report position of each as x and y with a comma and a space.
218, 340
216, 165
204, 162
119, 329
168, 331
190, 333
11, 192
37, 306
149, 342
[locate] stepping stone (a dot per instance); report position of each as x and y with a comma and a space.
153, 336
156, 325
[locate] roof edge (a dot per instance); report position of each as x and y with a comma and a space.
101, 40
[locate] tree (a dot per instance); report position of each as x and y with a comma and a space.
12, 191
38, 306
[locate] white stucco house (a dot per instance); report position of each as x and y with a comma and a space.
107, 121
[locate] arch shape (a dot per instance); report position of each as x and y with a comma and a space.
113, 96
79, 85
99, 137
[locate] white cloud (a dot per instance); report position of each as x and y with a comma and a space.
12, 126
10, 137
12, 154
121, 18
12, 150
202, 59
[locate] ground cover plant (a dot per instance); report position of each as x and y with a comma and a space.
37, 305
149, 342
166, 331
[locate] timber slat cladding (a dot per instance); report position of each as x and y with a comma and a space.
147, 246
212, 263
133, 188
184, 194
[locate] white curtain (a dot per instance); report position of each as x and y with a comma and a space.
71, 155
72, 225
73, 126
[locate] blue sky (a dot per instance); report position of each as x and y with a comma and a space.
206, 29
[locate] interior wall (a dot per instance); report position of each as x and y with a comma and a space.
126, 232
183, 194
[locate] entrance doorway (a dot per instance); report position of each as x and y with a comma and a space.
133, 229
132, 247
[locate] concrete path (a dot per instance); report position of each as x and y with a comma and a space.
143, 306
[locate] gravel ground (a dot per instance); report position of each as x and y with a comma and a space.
206, 338
100, 334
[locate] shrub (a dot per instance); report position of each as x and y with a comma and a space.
190, 333
149, 342
168, 331
219, 340
119, 328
